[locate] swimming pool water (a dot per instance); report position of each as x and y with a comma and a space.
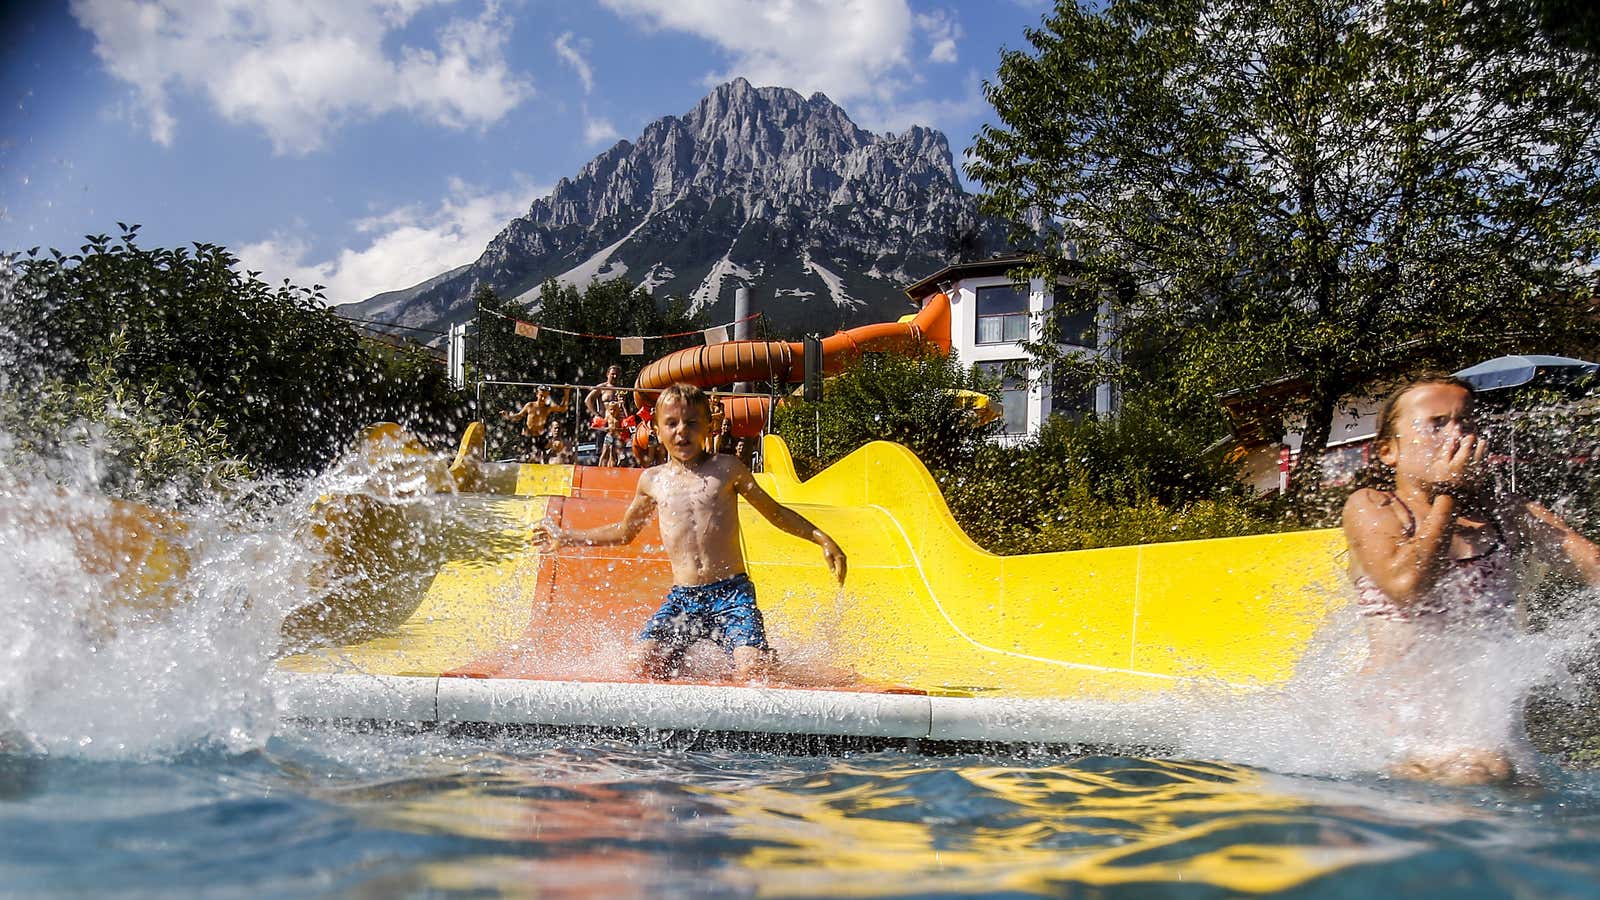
326, 812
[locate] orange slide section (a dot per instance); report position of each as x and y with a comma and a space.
589, 603
733, 361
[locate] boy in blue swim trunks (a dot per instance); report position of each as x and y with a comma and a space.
696, 496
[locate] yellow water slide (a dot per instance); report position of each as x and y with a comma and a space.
947, 616
931, 636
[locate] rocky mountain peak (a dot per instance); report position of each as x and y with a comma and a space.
759, 187
737, 107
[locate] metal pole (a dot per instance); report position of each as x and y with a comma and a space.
741, 327
741, 314
461, 354
485, 420
450, 356
1513, 454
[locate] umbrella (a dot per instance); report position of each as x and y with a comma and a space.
1515, 371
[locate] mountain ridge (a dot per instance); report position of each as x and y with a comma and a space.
823, 221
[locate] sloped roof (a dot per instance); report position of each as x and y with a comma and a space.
999, 265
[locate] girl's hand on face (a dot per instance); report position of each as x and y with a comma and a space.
1454, 461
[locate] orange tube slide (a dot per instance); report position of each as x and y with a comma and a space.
733, 361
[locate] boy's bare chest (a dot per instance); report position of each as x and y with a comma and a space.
693, 496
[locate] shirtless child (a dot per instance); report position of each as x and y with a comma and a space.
696, 494
614, 436
535, 416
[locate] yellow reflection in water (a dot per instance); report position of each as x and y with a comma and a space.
865, 831
1139, 823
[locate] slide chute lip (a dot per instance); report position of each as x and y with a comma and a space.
673, 706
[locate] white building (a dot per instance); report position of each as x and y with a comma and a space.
990, 317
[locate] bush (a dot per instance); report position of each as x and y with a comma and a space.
133, 441
911, 400
268, 375
1133, 479
1140, 477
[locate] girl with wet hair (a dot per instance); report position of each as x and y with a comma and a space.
1431, 559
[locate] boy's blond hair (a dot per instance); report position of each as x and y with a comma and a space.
688, 395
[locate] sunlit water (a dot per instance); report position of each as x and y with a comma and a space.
331, 813
146, 757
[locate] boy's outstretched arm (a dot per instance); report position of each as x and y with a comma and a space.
787, 520
549, 536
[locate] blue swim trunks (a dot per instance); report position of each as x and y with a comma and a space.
722, 611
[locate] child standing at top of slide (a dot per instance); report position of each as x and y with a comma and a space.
1431, 556
696, 494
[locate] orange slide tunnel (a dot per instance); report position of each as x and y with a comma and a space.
733, 361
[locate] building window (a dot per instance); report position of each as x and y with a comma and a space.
1070, 398
1013, 393
1075, 328
1002, 314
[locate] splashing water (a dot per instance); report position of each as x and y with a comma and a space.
158, 720
86, 672
110, 656
1339, 714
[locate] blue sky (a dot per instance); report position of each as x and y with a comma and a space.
369, 144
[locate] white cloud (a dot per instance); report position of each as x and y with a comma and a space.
845, 48
572, 57
599, 131
943, 33
299, 68
403, 246
596, 130
896, 114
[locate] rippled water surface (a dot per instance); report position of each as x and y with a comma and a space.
327, 812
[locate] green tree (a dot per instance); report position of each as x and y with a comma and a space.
1569, 23
616, 307
913, 400
285, 383
1317, 189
